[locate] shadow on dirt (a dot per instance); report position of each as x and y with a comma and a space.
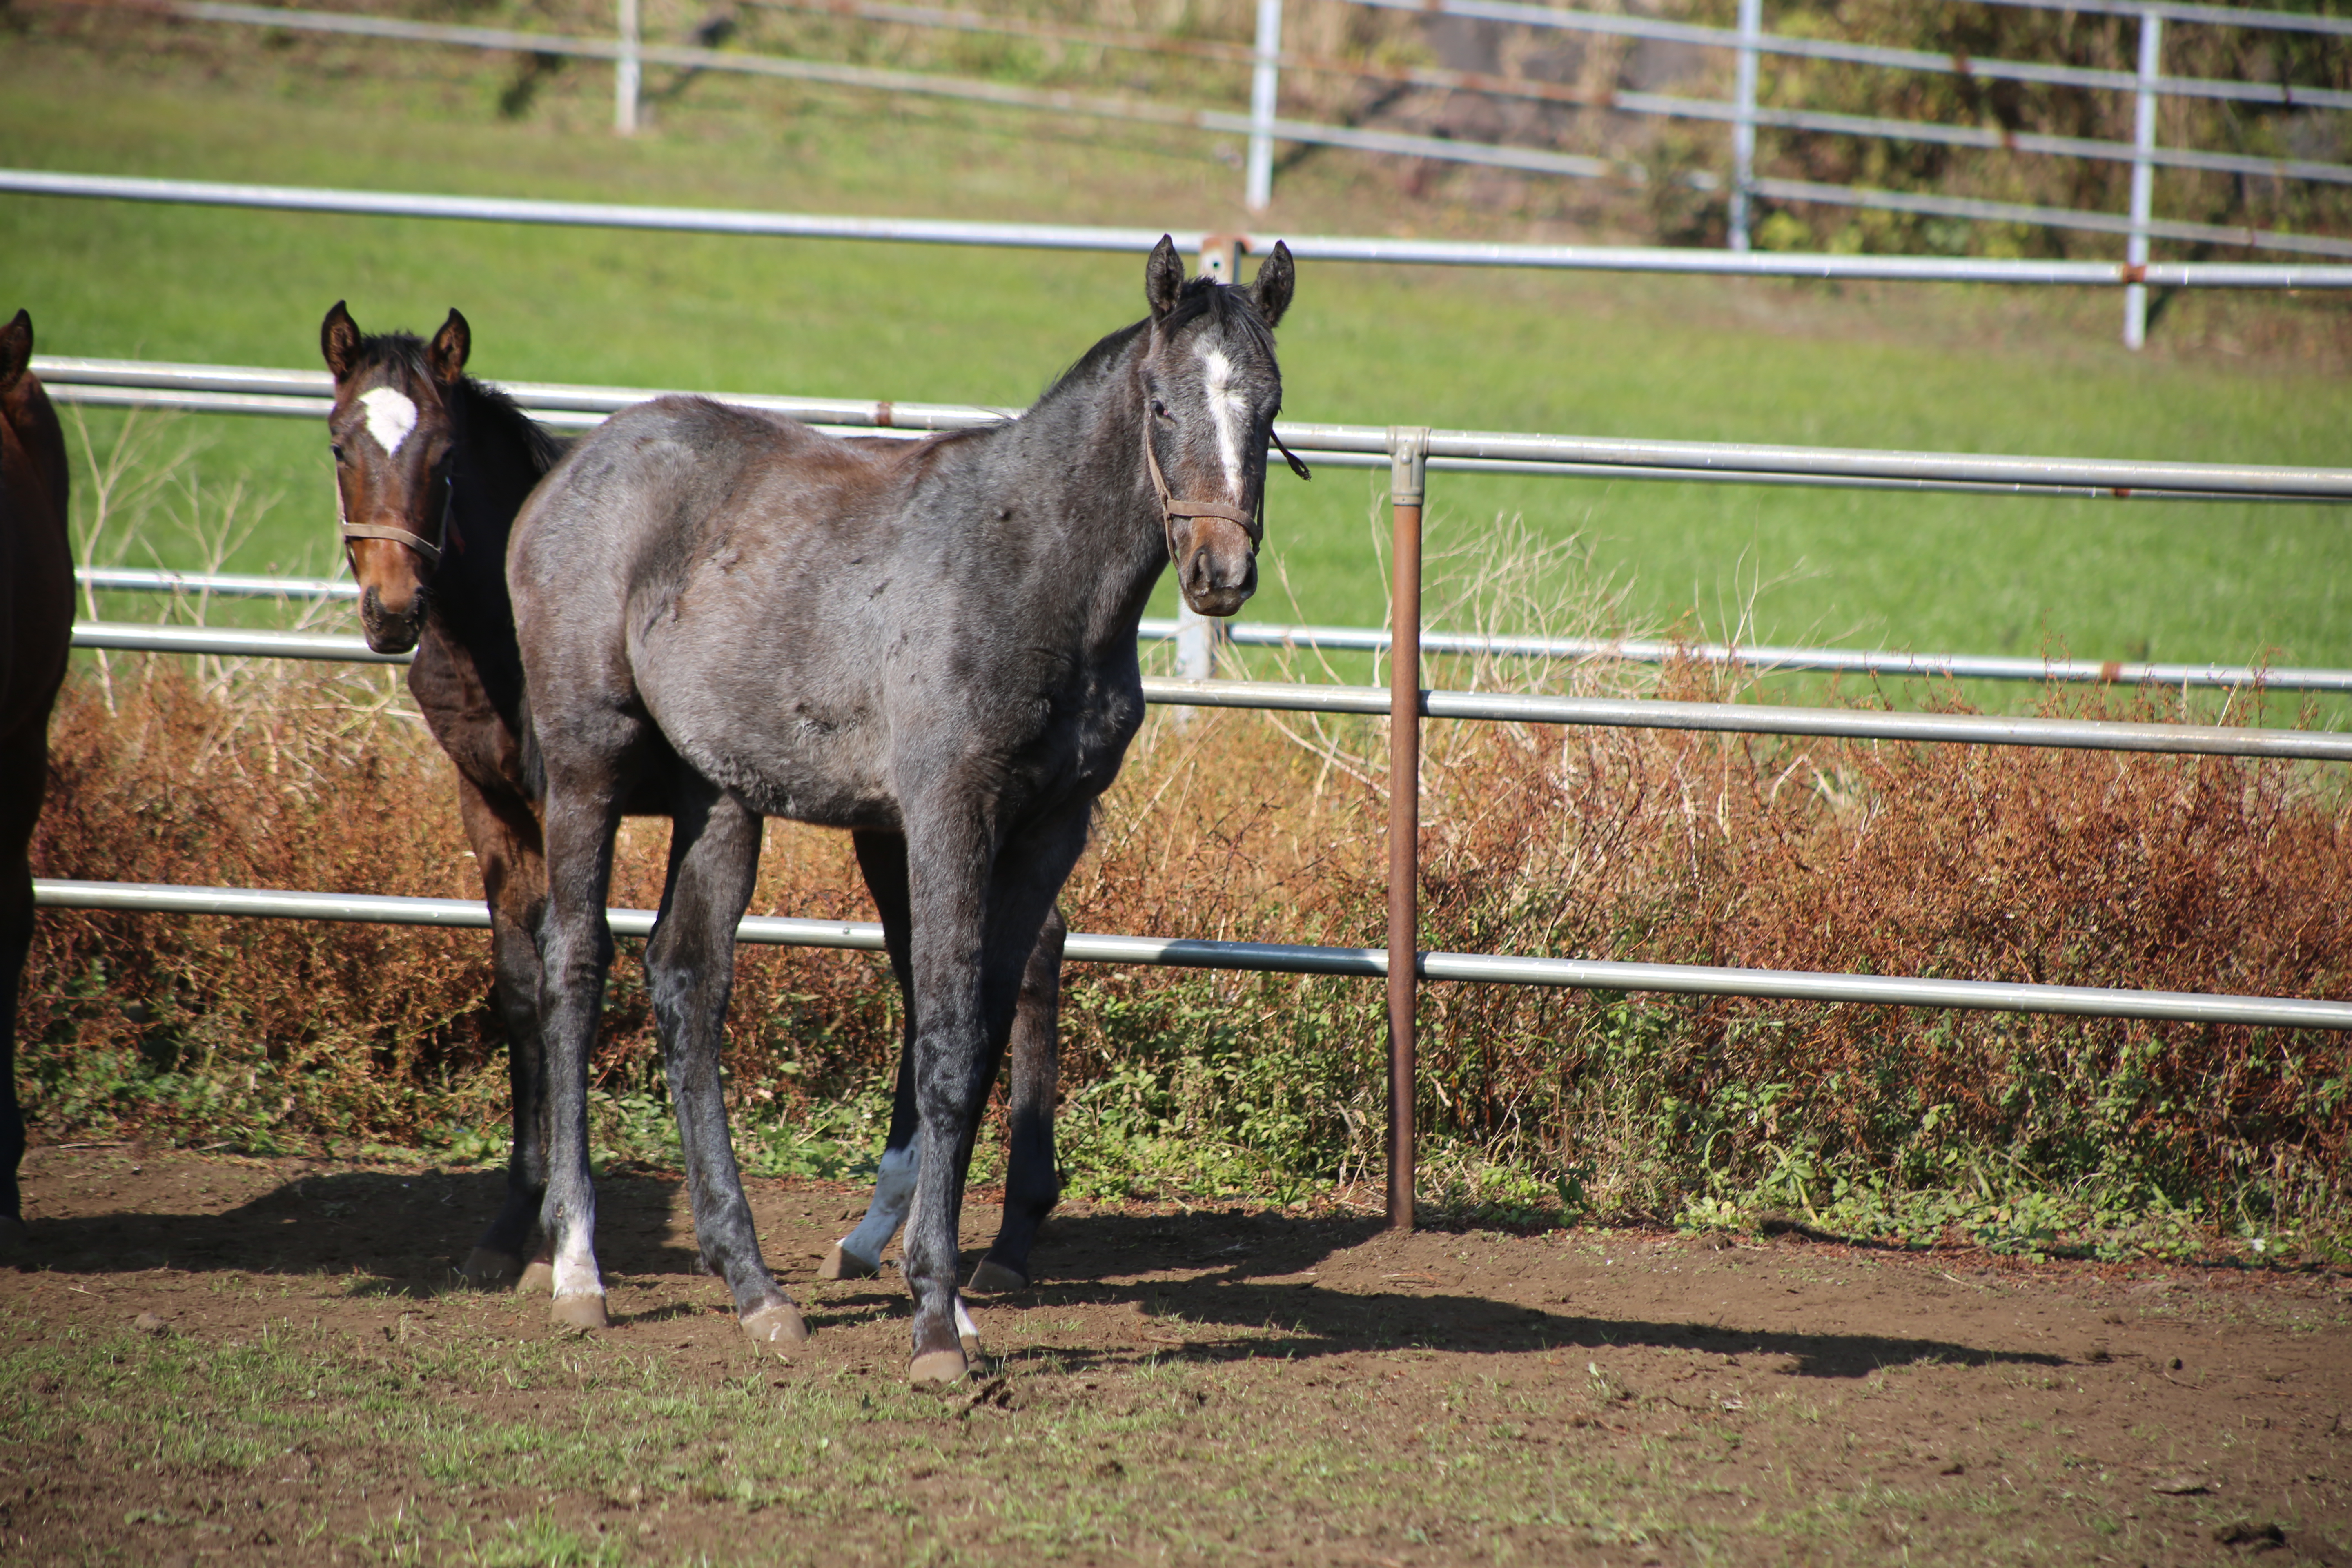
403, 1234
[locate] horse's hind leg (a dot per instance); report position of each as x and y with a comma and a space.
24, 768
882, 858
505, 836
1032, 1184
690, 973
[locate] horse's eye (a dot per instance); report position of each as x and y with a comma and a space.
337, 449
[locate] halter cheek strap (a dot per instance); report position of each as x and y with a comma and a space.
428, 548
1171, 508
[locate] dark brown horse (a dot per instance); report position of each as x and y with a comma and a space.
931, 645
431, 467
36, 633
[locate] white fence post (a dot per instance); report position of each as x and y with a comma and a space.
626, 73
2143, 189
1743, 123
1258, 187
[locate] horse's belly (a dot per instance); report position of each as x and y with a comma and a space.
824, 791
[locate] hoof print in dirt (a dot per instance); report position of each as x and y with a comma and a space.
2246, 1532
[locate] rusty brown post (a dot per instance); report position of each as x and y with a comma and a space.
1408, 463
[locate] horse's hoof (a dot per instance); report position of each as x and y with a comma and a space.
585, 1310
487, 1268
938, 1367
776, 1327
537, 1279
842, 1264
992, 1278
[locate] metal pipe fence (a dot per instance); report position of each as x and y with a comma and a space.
305, 393
1759, 657
1820, 267
1749, 41
1279, 958
1514, 708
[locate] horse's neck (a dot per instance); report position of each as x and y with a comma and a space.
495, 470
1076, 469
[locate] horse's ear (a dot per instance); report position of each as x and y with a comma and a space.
15, 348
1271, 292
338, 341
1163, 278
451, 345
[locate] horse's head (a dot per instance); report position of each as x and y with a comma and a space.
24, 409
395, 440
1212, 389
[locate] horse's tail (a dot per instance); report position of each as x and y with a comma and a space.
534, 766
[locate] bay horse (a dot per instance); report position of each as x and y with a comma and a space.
930, 644
36, 602
431, 467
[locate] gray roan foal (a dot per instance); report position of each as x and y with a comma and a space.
931, 646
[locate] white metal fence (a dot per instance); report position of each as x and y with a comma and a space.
1407, 451
1741, 112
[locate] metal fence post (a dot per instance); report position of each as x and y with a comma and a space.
1743, 123
627, 71
1408, 469
1258, 183
2142, 185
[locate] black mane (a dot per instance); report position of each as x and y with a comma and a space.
1227, 304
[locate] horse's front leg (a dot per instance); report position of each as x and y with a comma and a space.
690, 972
575, 953
506, 847
976, 917
23, 771
1032, 1182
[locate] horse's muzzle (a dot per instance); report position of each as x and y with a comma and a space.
387, 632
1219, 570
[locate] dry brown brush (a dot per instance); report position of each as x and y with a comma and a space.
1976, 863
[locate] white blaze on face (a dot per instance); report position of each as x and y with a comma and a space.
389, 417
1228, 409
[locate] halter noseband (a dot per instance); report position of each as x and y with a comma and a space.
428, 548
1171, 508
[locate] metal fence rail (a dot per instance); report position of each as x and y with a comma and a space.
304, 394
1613, 713
1283, 958
1762, 658
1072, 236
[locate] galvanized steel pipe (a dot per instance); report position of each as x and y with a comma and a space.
1636, 713
1282, 958
1761, 658
1071, 237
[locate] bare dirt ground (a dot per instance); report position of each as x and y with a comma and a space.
244, 1361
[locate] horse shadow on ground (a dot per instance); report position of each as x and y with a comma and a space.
400, 1234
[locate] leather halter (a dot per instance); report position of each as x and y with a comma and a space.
428, 548
1171, 508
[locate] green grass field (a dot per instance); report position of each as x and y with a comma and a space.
1933, 368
